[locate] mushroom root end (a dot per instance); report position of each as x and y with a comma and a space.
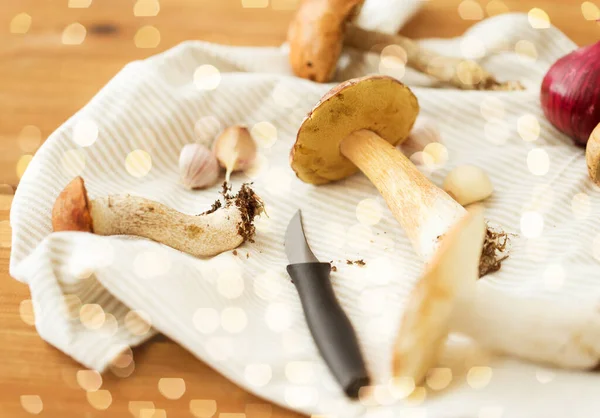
71, 211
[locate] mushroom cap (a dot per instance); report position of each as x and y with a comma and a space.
71, 211
452, 273
316, 37
378, 103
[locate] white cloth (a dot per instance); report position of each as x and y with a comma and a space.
241, 314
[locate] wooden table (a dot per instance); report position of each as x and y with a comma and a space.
43, 82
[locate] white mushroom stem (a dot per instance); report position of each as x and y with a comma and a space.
425, 211
461, 73
201, 236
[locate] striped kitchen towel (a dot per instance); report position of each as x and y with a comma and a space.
96, 296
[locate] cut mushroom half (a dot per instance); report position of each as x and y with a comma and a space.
225, 227
320, 28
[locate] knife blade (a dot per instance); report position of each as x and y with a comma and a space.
331, 329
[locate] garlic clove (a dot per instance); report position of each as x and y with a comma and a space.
424, 132
198, 167
468, 184
235, 149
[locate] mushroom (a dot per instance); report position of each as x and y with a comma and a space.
356, 125
320, 28
592, 155
222, 228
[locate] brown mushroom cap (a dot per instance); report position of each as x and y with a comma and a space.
378, 103
316, 37
71, 211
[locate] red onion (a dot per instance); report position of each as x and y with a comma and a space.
571, 93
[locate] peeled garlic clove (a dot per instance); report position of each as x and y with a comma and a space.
423, 133
198, 167
468, 184
235, 149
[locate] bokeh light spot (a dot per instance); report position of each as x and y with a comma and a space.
496, 7
258, 374
89, 380
265, 134
526, 50
234, 319
439, 378
470, 10
538, 18
22, 164
528, 127
532, 224
255, 4
203, 408
206, 320
147, 37
32, 404
278, 317
85, 132
20, 24
138, 163
26, 312
479, 377
581, 206
74, 34
5, 234
30, 138
368, 212
146, 8
554, 277
100, 399
138, 322
79, 4
590, 11
207, 77
171, 387
538, 161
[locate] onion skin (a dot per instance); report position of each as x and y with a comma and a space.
570, 94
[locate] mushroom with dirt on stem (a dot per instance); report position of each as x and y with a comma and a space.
321, 28
356, 125
225, 227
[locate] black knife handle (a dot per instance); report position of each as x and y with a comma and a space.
329, 325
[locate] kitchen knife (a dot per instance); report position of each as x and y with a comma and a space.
328, 324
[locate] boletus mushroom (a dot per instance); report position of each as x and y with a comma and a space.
320, 28
357, 125
224, 227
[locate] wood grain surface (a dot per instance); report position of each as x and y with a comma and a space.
43, 81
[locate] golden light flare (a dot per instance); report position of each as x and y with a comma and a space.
392, 61
233, 319
230, 283
544, 376
138, 163
439, 378
496, 7
258, 375
417, 397
85, 132
20, 24
26, 312
528, 127
207, 77
554, 277
32, 404
151, 264
368, 212
123, 365
401, 387
265, 134
171, 387
299, 372
278, 317
30, 138
136, 407
147, 37
89, 380
268, 285
590, 11
138, 322
146, 8
382, 395
100, 399
526, 50
22, 164
92, 316
110, 326
538, 18
203, 408
470, 10
73, 162
469, 72
74, 34
479, 377
255, 4
206, 320
532, 224
538, 161
581, 206
5, 234
301, 396
438, 153
79, 4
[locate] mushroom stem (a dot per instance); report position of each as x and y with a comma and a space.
425, 211
201, 236
224, 227
461, 73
